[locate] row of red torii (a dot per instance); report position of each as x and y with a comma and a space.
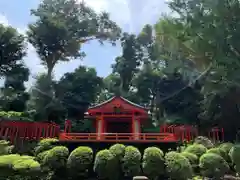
115, 120
14, 130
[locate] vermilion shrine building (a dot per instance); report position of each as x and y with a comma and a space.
118, 115
115, 120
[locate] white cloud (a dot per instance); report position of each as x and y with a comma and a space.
118, 9
131, 15
3, 20
32, 61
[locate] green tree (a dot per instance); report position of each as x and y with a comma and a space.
78, 89
12, 50
127, 65
45, 107
212, 39
179, 99
13, 95
62, 26
111, 87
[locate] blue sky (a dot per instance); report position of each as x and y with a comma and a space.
131, 15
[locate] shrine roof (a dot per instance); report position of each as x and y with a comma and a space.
118, 97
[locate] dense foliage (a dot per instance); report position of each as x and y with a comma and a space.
181, 67
184, 68
53, 161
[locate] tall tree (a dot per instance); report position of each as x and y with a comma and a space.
13, 95
62, 26
77, 90
212, 29
12, 49
128, 63
44, 106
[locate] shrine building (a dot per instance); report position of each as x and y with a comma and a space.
118, 115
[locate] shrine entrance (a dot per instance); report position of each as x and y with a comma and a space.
118, 117
118, 125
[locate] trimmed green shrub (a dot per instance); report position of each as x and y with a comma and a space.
13, 115
193, 159
44, 145
131, 161
5, 147
40, 157
215, 151
118, 150
23, 166
56, 158
197, 149
197, 178
177, 166
226, 146
80, 161
153, 162
235, 156
225, 149
213, 166
204, 141
105, 165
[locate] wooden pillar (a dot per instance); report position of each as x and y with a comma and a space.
136, 130
100, 127
137, 127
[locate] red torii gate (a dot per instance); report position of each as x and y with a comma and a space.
188, 132
217, 134
27, 130
15, 130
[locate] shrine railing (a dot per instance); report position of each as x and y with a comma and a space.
118, 137
14, 130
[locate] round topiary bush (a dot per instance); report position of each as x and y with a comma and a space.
26, 164
177, 166
213, 166
204, 141
153, 162
235, 156
6, 162
5, 147
226, 146
118, 150
215, 151
79, 161
131, 162
193, 159
56, 158
105, 165
225, 149
14, 164
40, 157
44, 145
197, 149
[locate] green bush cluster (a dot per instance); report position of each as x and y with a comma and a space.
13, 115
52, 161
79, 161
15, 166
105, 165
153, 162
204, 141
197, 149
212, 165
177, 166
234, 154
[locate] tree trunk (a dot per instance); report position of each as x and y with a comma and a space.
49, 76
